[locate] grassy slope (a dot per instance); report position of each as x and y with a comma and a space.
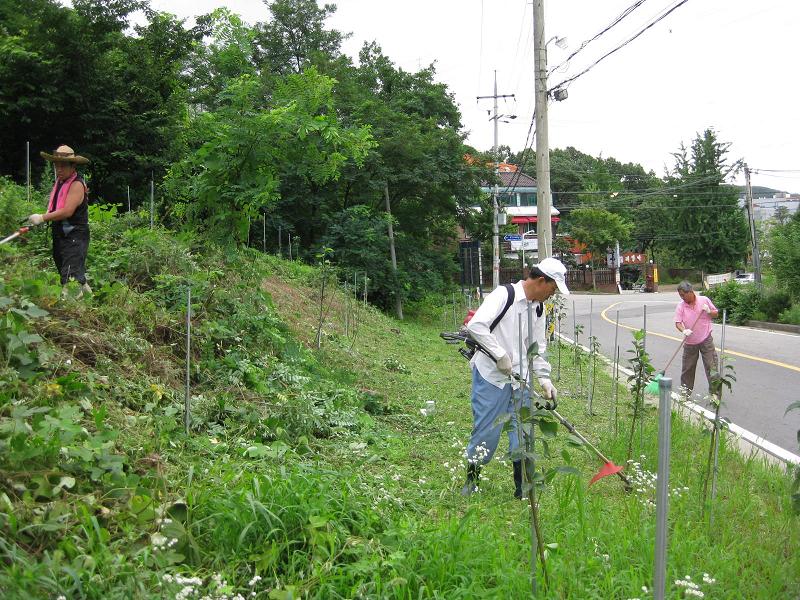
601, 532
290, 478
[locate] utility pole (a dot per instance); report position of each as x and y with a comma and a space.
495, 209
543, 198
752, 219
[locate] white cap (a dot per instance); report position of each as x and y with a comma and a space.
556, 270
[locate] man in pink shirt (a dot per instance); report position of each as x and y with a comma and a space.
693, 319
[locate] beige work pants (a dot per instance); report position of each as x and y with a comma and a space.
690, 353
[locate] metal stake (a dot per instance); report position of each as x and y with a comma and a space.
720, 363
590, 395
662, 486
558, 346
152, 195
187, 416
616, 369
28, 168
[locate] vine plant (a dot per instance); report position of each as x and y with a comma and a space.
594, 350
578, 357
642, 373
721, 380
534, 480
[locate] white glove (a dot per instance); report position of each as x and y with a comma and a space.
35, 219
550, 393
706, 309
504, 365
687, 332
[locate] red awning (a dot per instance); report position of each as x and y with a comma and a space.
532, 219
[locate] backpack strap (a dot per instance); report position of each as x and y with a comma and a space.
509, 301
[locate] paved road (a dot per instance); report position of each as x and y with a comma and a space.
767, 363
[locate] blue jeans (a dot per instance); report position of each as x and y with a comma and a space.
489, 403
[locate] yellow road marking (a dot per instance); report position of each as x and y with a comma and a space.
670, 337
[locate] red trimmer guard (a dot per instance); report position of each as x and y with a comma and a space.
607, 469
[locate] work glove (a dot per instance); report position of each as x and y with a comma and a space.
706, 309
35, 219
549, 393
504, 365
687, 332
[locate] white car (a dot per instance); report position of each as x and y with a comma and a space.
745, 278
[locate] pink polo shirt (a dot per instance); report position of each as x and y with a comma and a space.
688, 315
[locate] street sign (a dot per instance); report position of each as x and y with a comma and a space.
512, 237
633, 258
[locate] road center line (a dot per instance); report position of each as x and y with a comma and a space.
670, 337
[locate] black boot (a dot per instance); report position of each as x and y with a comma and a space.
471, 485
517, 464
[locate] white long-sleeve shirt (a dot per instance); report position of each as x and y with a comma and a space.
505, 337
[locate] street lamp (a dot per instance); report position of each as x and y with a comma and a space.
561, 42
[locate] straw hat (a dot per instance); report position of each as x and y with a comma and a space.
65, 154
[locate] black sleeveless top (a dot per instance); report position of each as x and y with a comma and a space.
80, 218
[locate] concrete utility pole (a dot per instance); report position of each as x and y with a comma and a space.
543, 198
753, 231
495, 209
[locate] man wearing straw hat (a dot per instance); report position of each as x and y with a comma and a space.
68, 211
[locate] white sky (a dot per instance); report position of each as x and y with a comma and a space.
726, 64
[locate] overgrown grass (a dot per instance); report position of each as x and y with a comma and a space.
313, 471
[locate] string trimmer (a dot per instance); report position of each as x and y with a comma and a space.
16, 234
652, 387
609, 468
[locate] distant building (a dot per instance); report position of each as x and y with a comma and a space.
517, 197
764, 207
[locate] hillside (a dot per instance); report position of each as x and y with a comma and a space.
310, 473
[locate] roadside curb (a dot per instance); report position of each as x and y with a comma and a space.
774, 326
747, 442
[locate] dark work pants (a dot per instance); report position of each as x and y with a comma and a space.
69, 253
690, 354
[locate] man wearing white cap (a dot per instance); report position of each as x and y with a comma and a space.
495, 327
68, 212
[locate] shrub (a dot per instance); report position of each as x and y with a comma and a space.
774, 303
790, 316
746, 305
742, 302
724, 296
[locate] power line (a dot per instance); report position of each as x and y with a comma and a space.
585, 43
569, 80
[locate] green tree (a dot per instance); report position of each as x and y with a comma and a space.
76, 76
296, 37
782, 215
784, 252
226, 53
599, 229
234, 175
706, 229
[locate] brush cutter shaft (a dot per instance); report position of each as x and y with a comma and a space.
16, 234
683, 341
